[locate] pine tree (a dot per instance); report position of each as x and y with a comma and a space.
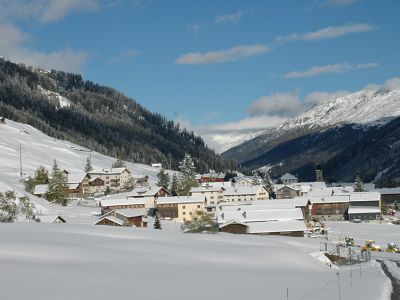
358, 184
201, 221
58, 188
8, 207
41, 177
163, 179
255, 180
88, 166
187, 178
174, 185
119, 163
157, 223
26, 207
267, 183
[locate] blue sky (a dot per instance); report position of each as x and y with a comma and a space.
215, 66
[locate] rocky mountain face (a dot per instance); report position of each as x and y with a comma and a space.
65, 106
350, 135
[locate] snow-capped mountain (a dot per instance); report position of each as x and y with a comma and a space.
345, 120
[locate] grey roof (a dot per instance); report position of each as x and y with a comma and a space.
112, 219
114, 171
387, 191
41, 189
260, 215
120, 202
288, 176
131, 212
276, 226
178, 200
364, 210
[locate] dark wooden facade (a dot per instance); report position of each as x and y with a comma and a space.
167, 210
235, 228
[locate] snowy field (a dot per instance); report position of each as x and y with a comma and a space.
69, 261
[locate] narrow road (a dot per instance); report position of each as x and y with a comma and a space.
391, 267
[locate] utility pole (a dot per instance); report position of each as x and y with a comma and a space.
20, 160
170, 159
287, 293
338, 280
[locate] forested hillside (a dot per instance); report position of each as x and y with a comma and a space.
65, 106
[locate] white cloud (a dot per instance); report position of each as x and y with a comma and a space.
289, 105
45, 10
326, 33
341, 2
212, 57
125, 55
390, 84
229, 18
329, 69
140, 4
13, 47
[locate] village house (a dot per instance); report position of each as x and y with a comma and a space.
150, 193
113, 204
389, 196
179, 208
212, 195
213, 177
365, 206
286, 192
265, 220
330, 208
135, 217
244, 181
78, 184
288, 179
115, 179
245, 193
96, 186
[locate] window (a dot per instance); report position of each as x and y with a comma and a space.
198, 206
183, 207
190, 213
184, 213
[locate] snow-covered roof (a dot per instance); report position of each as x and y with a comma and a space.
210, 188
73, 186
365, 196
131, 212
232, 222
41, 189
260, 215
330, 199
216, 184
112, 219
250, 206
388, 191
118, 202
50, 218
75, 177
364, 210
178, 200
112, 171
288, 176
296, 202
331, 191
148, 191
242, 190
276, 226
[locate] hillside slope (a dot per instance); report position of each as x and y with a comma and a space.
100, 118
39, 149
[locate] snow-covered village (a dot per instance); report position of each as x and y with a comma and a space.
233, 162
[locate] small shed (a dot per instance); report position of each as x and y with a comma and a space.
110, 220
234, 226
55, 219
